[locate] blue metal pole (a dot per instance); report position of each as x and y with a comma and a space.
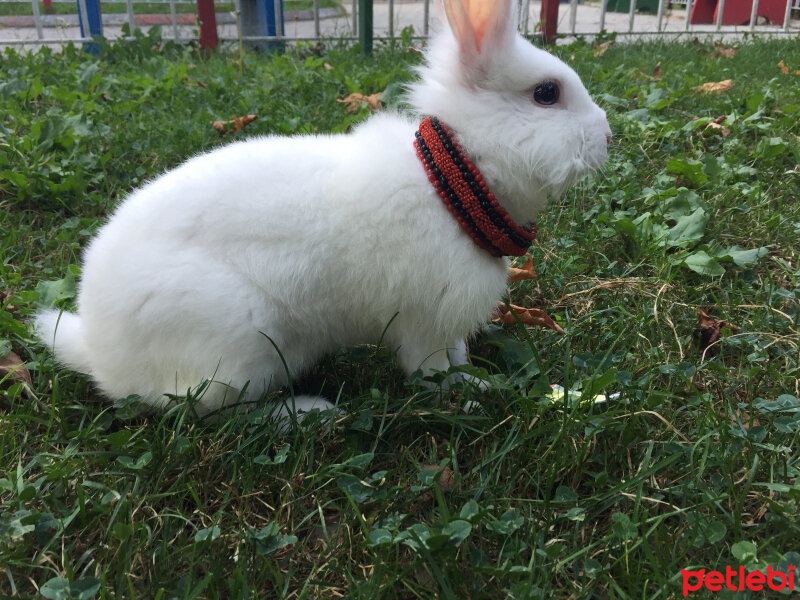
91, 18
262, 18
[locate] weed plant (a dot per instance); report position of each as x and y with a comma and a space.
691, 463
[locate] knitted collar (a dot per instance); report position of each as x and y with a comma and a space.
466, 195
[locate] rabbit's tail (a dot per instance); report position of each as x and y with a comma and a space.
62, 333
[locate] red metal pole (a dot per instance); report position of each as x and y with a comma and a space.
549, 18
208, 24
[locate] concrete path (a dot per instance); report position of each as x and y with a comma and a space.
587, 21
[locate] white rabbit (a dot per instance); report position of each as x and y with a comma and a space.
319, 242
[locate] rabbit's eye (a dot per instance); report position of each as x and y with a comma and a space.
546, 93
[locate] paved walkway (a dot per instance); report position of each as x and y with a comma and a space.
60, 29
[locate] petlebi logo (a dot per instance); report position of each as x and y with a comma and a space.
737, 579
749, 575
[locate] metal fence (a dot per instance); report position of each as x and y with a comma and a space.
575, 18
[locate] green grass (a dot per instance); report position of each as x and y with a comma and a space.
145, 8
694, 465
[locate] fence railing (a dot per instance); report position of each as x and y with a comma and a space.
256, 21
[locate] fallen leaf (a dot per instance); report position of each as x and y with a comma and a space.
238, 124
527, 316
189, 83
526, 271
5, 296
721, 51
13, 366
447, 479
354, 101
714, 87
657, 71
601, 49
710, 331
716, 126
328, 66
785, 70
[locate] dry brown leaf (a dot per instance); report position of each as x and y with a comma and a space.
716, 126
522, 273
710, 331
13, 366
657, 71
601, 49
721, 51
447, 479
353, 101
5, 296
714, 87
785, 70
527, 316
238, 124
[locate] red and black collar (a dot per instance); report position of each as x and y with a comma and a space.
464, 192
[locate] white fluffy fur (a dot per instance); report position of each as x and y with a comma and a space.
319, 241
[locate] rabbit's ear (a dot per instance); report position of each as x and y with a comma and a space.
484, 30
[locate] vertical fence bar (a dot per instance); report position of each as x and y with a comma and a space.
277, 8
573, 15
365, 25
131, 18
688, 14
391, 19
355, 18
788, 15
549, 18
316, 19
427, 16
631, 12
660, 14
720, 13
174, 18
208, 24
753, 15
603, 9
526, 14
37, 19
82, 18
